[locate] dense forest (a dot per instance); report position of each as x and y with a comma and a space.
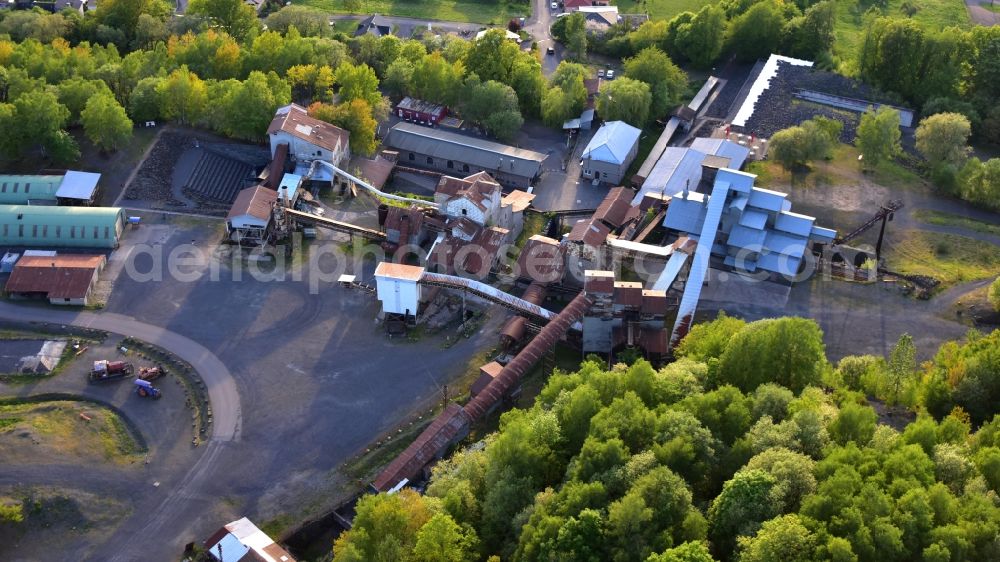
750, 447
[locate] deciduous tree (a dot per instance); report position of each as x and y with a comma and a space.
105, 122
626, 100
878, 135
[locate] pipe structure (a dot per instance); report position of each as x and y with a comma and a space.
374, 190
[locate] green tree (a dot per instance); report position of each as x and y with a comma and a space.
249, 108
626, 100
694, 551
758, 32
354, 116
236, 17
793, 474
708, 340
385, 527
979, 182
740, 509
943, 138
310, 22
810, 35
902, 366
700, 39
105, 122
878, 135
813, 139
492, 56
75, 92
494, 106
787, 351
784, 538
357, 83
666, 81
994, 294
184, 96
438, 80
442, 540
576, 36
398, 77
853, 424
124, 15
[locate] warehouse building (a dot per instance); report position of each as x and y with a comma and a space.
60, 227
610, 152
66, 279
451, 153
72, 188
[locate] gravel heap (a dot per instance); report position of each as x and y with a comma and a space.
153, 180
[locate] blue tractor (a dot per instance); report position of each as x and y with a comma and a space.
146, 389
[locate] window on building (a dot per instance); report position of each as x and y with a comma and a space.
604, 175
465, 211
95, 233
3, 188
451, 165
34, 231
107, 232
465, 167
45, 231
430, 160
20, 231
58, 231
412, 157
16, 186
65, 300
319, 153
72, 232
27, 187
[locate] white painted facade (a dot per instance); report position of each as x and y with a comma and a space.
305, 151
397, 288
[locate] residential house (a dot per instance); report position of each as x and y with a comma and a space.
574, 5
374, 25
610, 152
597, 20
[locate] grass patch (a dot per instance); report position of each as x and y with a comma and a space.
949, 258
842, 167
345, 26
995, 8
57, 429
647, 139
947, 219
476, 11
534, 223
933, 14
659, 9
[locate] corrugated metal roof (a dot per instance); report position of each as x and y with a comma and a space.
794, 223
823, 234
767, 199
612, 142
615, 207
541, 260
64, 276
781, 243
448, 426
736, 153
18, 190
399, 271
255, 202
746, 238
591, 232
779, 263
686, 214
753, 219
478, 152
87, 227
518, 200
78, 185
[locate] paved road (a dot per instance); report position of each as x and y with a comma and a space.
981, 15
165, 518
221, 386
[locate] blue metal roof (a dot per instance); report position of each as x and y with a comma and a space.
612, 142
794, 223
753, 219
767, 199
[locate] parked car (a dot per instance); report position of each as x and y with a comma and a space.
550, 51
600, 73
610, 75
555, 5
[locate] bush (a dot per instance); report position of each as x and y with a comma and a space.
994, 294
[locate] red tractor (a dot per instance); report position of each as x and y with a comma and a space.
105, 370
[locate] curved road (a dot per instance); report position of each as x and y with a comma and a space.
222, 393
224, 399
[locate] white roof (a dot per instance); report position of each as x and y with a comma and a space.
612, 142
510, 34
762, 82
78, 185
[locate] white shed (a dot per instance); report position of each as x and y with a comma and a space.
397, 287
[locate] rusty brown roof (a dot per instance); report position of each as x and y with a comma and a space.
255, 201
478, 188
446, 428
296, 121
590, 232
628, 293
396, 216
518, 200
541, 260
399, 271
58, 277
615, 207
599, 281
376, 170
486, 243
654, 302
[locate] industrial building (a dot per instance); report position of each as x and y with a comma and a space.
71, 188
397, 287
249, 218
422, 112
60, 227
452, 153
610, 152
682, 168
66, 279
242, 541
308, 138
